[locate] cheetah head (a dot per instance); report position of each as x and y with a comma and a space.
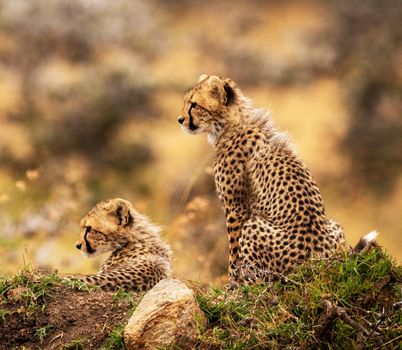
210, 106
106, 227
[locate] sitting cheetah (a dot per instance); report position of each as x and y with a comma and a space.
275, 215
139, 259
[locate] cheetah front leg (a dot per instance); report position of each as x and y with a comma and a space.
231, 184
142, 276
116, 280
103, 281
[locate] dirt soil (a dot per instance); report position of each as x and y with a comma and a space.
85, 317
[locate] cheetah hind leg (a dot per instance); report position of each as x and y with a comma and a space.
258, 261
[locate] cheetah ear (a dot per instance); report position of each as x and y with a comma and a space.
202, 77
124, 217
222, 90
216, 88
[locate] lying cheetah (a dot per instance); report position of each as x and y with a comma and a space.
275, 215
139, 259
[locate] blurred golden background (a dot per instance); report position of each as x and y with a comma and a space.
90, 91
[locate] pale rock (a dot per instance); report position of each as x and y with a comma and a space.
17, 294
168, 314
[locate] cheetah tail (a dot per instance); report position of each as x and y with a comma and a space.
366, 242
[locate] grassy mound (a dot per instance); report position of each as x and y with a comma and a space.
352, 302
46, 312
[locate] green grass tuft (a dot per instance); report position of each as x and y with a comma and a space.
78, 284
115, 340
122, 294
33, 288
75, 345
287, 314
42, 332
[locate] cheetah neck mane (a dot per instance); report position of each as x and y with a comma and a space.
259, 118
144, 231
145, 234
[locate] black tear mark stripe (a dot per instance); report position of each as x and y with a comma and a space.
89, 248
191, 123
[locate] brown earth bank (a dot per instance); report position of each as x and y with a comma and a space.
57, 316
350, 301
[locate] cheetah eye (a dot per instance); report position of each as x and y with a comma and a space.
196, 105
88, 229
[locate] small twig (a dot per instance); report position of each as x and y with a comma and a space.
286, 279
61, 335
397, 304
331, 312
389, 342
346, 318
326, 318
382, 317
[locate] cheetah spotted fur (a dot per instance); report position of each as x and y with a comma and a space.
275, 215
139, 259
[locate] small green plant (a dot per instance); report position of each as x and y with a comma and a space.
74, 345
77, 284
121, 294
33, 288
115, 339
42, 332
3, 285
4, 314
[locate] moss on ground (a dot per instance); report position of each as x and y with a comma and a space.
351, 302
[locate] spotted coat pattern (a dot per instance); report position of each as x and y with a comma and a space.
139, 258
275, 215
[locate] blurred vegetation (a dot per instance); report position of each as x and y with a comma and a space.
90, 91
369, 46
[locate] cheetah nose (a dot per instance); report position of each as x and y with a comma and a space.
78, 246
180, 120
